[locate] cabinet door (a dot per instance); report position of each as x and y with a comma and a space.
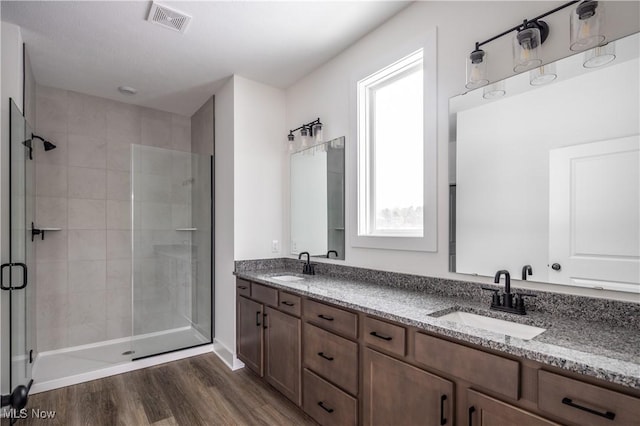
282, 353
249, 333
396, 393
486, 411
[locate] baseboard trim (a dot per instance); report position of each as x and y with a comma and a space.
227, 356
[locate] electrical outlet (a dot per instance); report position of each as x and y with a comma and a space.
275, 246
294, 246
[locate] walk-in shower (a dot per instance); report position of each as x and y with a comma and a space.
122, 267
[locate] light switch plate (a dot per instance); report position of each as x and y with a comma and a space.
275, 246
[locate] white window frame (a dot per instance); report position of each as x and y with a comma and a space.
358, 153
367, 143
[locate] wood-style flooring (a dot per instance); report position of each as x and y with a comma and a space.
195, 391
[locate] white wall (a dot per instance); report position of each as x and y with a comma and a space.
10, 87
259, 144
224, 309
248, 201
325, 94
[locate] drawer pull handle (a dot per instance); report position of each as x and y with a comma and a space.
607, 415
284, 302
328, 358
242, 287
443, 419
325, 317
324, 407
380, 336
258, 319
472, 410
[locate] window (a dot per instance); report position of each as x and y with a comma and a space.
391, 150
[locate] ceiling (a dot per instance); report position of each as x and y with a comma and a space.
95, 46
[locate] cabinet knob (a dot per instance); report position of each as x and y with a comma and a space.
556, 266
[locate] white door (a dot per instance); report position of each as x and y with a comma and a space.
594, 215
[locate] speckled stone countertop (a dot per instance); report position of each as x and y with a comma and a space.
595, 348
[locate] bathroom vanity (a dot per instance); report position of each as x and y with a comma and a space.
351, 351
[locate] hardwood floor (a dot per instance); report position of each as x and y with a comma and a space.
195, 391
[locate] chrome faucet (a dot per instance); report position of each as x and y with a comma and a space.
308, 268
504, 302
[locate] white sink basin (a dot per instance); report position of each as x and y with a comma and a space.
288, 278
521, 331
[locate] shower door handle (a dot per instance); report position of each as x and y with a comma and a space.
24, 276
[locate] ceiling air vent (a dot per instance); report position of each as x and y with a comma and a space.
168, 18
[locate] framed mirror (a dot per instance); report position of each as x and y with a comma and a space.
317, 200
546, 180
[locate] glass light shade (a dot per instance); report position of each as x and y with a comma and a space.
587, 22
477, 70
317, 133
495, 90
526, 44
305, 138
543, 74
600, 55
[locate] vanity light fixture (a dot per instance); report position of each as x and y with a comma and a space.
310, 134
526, 45
477, 69
586, 24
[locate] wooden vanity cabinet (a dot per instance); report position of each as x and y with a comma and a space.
268, 341
397, 393
282, 353
250, 338
350, 368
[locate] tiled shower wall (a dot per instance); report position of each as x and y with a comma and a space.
83, 272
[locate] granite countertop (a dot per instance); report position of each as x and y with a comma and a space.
593, 348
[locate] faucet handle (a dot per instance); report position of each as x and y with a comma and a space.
495, 298
521, 295
520, 301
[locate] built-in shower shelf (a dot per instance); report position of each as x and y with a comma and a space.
40, 231
186, 229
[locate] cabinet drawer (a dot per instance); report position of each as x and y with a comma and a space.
330, 318
385, 336
581, 403
332, 357
491, 372
264, 294
483, 410
290, 303
327, 404
243, 287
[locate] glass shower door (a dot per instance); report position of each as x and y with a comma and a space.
172, 251
16, 274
